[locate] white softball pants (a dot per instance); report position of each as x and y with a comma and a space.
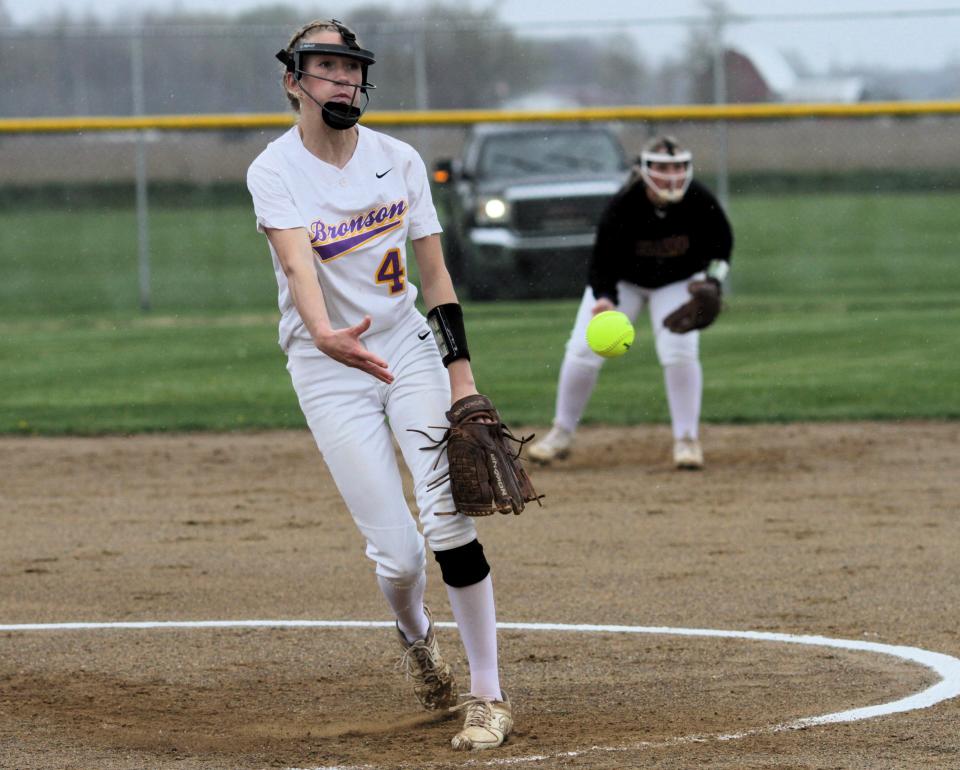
355, 420
678, 354
671, 348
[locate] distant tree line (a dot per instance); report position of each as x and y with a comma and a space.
215, 63
206, 63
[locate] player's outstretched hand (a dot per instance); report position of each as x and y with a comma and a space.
344, 345
602, 305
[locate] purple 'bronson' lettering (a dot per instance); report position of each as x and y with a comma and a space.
322, 233
329, 251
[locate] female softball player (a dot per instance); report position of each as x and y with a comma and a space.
663, 242
337, 203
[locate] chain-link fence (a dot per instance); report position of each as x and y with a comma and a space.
78, 235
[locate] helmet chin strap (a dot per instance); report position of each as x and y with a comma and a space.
338, 115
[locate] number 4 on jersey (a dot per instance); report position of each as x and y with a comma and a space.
391, 272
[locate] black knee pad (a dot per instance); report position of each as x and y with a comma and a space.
463, 566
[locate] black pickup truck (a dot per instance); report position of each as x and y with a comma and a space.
520, 207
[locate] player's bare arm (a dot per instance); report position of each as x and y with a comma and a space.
343, 345
435, 283
437, 289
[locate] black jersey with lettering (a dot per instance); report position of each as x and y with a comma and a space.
652, 246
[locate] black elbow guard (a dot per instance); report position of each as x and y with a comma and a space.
446, 321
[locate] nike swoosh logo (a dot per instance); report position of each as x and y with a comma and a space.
381, 176
423, 336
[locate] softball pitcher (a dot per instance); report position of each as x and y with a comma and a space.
337, 203
664, 243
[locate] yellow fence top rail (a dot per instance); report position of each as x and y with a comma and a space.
706, 112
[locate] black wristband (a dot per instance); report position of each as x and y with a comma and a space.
446, 322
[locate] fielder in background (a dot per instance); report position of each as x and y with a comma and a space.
663, 242
337, 202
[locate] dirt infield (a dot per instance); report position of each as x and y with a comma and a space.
849, 531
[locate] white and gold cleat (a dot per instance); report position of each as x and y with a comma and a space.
487, 724
687, 454
433, 682
554, 446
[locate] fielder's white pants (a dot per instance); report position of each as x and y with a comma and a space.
355, 418
678, 354
671, 348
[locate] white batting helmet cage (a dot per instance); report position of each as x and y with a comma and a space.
669, 186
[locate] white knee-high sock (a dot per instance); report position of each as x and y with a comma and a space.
406, 601
476, 616
684, 394
574, 389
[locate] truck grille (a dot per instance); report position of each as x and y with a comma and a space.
559, 215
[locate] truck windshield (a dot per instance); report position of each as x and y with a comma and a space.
507, 156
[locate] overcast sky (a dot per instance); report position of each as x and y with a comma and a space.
910, 39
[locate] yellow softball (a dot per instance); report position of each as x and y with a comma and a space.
610, 333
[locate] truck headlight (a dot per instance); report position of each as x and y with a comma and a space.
492, 210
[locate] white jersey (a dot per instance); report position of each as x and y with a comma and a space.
358, 219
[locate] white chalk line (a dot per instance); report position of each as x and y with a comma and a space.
945, 666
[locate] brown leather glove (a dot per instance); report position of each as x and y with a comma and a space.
701, 311
486, 475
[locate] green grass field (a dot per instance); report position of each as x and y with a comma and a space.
843, 308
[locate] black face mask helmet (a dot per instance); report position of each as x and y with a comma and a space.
335, 114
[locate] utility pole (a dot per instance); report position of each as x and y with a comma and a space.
719, 18
143, 220
421, 83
